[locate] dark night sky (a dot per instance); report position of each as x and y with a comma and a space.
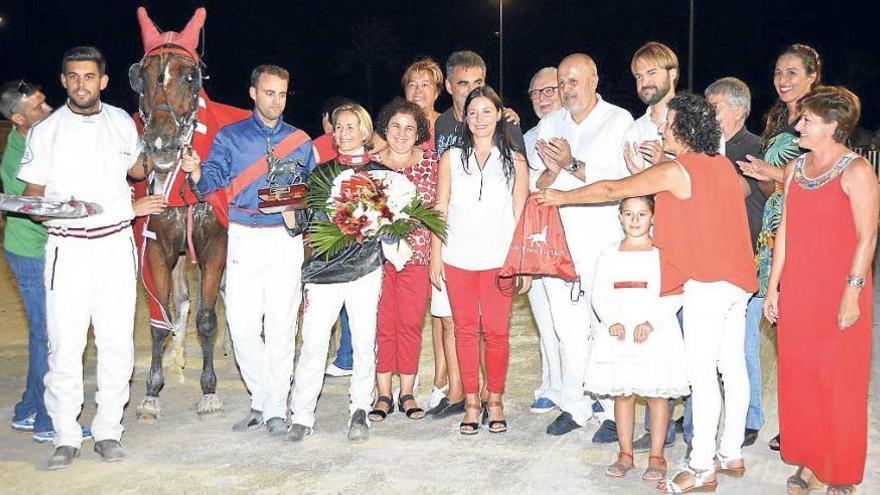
739, 38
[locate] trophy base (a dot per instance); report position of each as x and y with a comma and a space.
284, 198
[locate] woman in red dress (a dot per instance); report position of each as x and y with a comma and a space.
820, 291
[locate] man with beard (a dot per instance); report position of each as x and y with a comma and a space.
655, 69
544, 94
580, 144
263, 262
84, 150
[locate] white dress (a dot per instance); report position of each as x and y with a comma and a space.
626, 290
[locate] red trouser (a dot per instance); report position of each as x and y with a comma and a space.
401, 310
475, 298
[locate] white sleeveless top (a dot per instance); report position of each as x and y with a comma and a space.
480, 221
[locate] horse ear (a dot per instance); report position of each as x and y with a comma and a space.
189, 36
150, 35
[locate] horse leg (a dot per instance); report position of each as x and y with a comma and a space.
210, 243
150, 409
180, 295
159, 261
227, 337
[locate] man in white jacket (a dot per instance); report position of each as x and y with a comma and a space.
580, 144
544, 94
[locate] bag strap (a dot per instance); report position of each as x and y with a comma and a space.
258, 169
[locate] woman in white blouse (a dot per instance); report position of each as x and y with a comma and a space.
481, 188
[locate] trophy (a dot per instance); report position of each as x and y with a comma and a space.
285, 189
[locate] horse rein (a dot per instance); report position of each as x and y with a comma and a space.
184, 125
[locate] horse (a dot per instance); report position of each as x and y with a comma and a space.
175, 113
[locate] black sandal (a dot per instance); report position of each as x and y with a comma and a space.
496, 425
377, 415
470, 428
798, 485
413, 412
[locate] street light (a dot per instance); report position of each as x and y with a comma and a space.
500, 34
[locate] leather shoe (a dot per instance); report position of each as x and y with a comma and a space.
563, 424
607, 432
62, 457
109, 450
750, 437
446, 408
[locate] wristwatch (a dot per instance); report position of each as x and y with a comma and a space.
855, 281
575, 165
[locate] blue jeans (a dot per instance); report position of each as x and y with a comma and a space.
28, 274
755, 416
344, 358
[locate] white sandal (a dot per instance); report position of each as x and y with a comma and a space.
700, 484
724, 468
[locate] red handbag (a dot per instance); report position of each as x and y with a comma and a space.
539, 247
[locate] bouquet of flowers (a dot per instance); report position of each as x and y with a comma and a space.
368, 204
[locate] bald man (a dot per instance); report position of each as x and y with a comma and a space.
544, 94
580, 144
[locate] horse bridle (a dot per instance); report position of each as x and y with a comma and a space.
183, 124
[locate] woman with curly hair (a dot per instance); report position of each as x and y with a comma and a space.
702, 233
405, 293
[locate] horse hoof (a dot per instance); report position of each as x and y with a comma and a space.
209, 404
150, 410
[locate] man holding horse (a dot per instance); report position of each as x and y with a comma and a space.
263, 289
84, 150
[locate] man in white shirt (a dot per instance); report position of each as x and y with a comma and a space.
581, 144
84, 150
654, 67
544, 94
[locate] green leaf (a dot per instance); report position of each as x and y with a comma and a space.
326, 239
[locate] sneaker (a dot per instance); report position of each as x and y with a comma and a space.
48, 436
109, 450
750, 437
253, 421
276, 427
62, 457
563, 424
607, 432
336, 371
542, 405
643, 444
437, 394
298, 432
358, 430
25, 424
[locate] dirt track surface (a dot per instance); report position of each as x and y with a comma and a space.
184, 454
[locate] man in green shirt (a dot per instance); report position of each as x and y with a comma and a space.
23, 244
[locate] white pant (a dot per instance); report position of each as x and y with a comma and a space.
89, 280
551, 366
263, 293
573, 322
714, 329
321, 308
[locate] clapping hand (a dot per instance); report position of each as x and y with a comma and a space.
617, 330
651, 151
547, 157
631, 157
756, 168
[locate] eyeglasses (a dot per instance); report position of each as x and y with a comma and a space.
548, 91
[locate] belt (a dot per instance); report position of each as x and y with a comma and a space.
93, 233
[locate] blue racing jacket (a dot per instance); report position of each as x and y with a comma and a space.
235, 147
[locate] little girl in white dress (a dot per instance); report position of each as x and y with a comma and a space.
638, 348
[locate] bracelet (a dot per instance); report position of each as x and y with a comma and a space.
855, 281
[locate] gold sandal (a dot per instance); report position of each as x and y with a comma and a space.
619, 468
